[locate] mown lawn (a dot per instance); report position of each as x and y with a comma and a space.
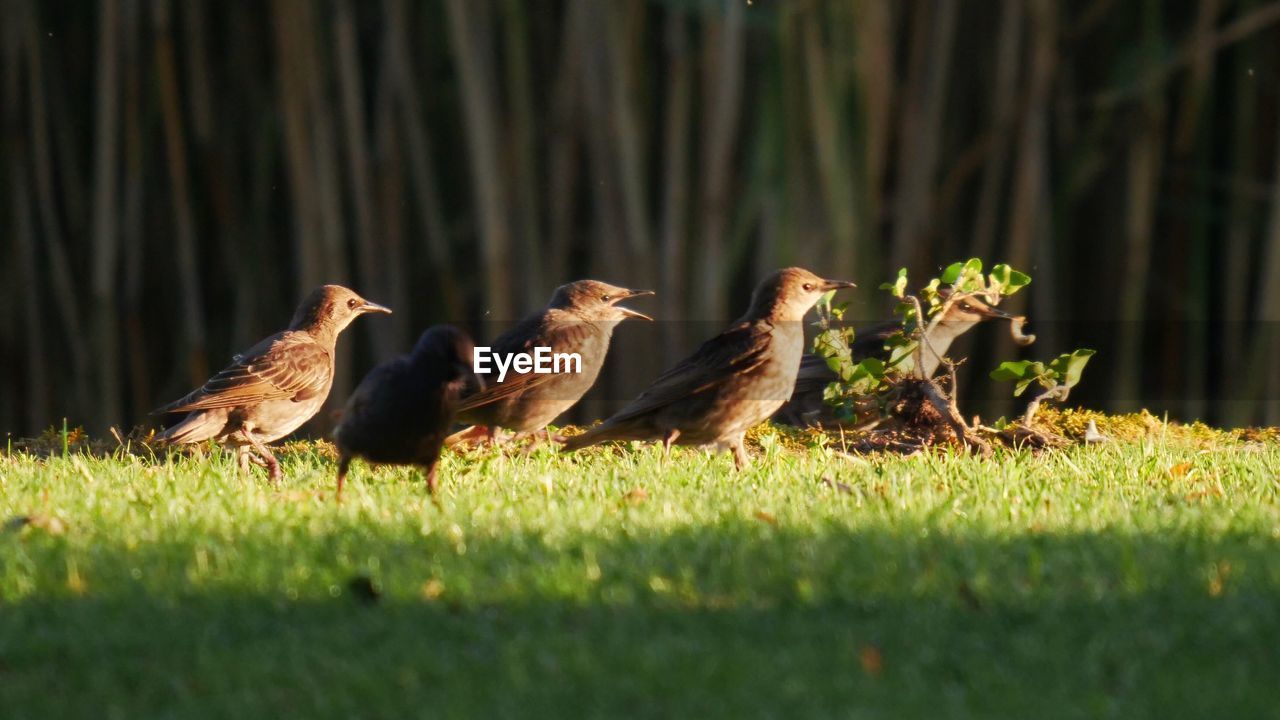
1134, 579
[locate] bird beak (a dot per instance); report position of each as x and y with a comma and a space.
836, 284
373, 307
996, 313
632, 313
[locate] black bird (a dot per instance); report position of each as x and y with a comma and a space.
274, 387
402, 410
580, 318
733, 381
807, 408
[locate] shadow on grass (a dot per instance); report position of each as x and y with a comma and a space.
738, 619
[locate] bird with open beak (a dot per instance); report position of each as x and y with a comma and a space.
807, 408
274, 387
733, 381
580, 318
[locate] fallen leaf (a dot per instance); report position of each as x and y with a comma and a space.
1180, 470
636, 495
872, 660
763, 516
432, 589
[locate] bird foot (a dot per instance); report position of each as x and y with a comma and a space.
274, 474
477, 435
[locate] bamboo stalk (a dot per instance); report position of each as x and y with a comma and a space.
473, 54
607, 245
61, 272
1192, 265
675, 185
628, 133
131, 225
297, 135
1008, 62
522, 156
875, 66
31, 386
1144, 167
106, 330
191, 317
1264, 350
722, 66
421, 163
834, 169
1235, 276
371, 257
564, 144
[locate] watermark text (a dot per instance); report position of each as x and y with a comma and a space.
542, 361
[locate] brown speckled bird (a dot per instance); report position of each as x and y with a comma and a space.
274, 387
580, 318
402, 410
807, 408
732, 382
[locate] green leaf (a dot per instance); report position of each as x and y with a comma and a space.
1012, 370
952, 273
898, 288
873, 367
1007, 281
1069, 367
902, 352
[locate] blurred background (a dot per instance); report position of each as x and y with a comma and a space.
174, 176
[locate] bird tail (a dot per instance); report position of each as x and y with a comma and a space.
577, 442
601, 433
195, 427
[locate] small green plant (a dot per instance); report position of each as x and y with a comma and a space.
864, 385
1055, 378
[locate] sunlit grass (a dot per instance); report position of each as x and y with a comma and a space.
1130, 579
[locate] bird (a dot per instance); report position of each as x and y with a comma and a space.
806, 408
403, 409
732, 381
271, 389
579, 318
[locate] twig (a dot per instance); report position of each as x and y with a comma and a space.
1057, 392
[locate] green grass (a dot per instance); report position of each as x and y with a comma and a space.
1136, 579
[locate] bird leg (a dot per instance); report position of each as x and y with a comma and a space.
431, 479
269, 460
344, 464
476, 433
669, 440
244, 457
740, 458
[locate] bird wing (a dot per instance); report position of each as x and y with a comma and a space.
738, 350
563, 336
284, 366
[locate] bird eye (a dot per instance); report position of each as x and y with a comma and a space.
351, 303
808, 287
606, 298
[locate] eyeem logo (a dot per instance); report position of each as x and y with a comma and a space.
540, 362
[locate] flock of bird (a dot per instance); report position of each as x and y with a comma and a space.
404, 410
